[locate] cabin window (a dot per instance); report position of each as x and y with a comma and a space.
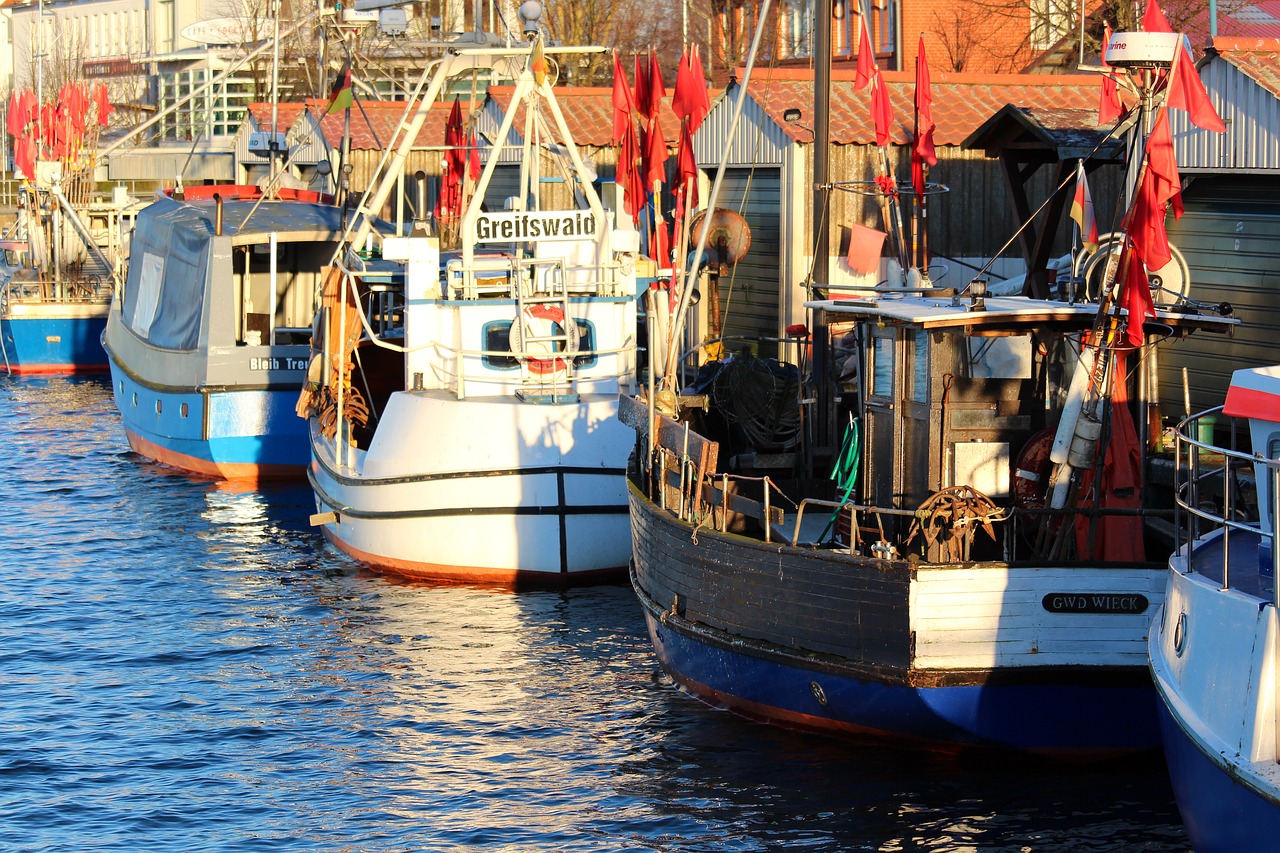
497, 338
1265, 498
881, 371
920, 367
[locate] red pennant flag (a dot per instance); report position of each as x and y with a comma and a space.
623, 101
1109, 106
1153, 20
865, 245
473, 157
1187, 93
687, 165
881, 111
655, 155
1135, 297
690, 101
657, 91
628, 174
103, 100
1162, 164
866, 58
643, 94
1146, 225
924, 109
14, 115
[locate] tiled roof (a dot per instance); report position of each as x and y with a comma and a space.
373, 123
588, 112
1257, 58
961, 102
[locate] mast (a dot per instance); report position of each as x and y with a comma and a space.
821, 265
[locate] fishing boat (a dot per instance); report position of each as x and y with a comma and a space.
1216, 643
208, 343
61, 265
975, 572
463, 409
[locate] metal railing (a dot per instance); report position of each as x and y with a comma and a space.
1200, 510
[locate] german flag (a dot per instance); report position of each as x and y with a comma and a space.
340, 97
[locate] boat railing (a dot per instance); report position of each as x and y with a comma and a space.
567, 378
23, 287
1212, 485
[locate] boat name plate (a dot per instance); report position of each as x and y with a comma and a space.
1095, 602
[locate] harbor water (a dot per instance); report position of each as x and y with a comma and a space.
187, 666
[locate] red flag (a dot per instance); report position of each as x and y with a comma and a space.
643, 93
687, 165
1153, 20
655, 155
924, 109
865, 245
657, 91
1162, 164
13, 116
1135, 297
449, 204
881, 111
1187, 93
623, 101
473, 157
1146, 225
628, 174
866, 58
104, 104
690, 100
24, 154
1109, 106
923, 151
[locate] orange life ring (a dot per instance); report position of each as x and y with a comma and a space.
529, 335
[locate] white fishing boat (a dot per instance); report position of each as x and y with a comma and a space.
1215, 649
463, 399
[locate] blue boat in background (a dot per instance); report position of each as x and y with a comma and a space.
209, 342
1216, 643
60, 266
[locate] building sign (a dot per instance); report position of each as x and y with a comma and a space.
223, 30
1095, 602
111, 68
531, 226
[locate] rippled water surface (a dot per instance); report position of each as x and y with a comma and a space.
188, 667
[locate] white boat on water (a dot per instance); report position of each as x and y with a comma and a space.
462, 401
1215, 649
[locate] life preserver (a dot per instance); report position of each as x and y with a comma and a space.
529, 338
1032, 471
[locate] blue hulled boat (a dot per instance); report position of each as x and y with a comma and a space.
1216, 645
209, 342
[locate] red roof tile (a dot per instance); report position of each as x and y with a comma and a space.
588, 113
961, 102
1257, 58
373, 123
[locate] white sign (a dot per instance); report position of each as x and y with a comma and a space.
224, 30
532, 226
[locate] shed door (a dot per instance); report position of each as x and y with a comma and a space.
1230, 237
749, 305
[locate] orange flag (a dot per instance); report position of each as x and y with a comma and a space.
865, 244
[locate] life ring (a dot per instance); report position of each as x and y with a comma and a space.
531, 337
1033, 469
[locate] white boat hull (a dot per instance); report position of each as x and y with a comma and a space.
482, 490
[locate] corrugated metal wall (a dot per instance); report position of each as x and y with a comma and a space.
1252, 117
749, 295
1230, 237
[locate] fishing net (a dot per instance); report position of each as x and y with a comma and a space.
760, 397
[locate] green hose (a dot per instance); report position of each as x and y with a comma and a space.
845, 470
